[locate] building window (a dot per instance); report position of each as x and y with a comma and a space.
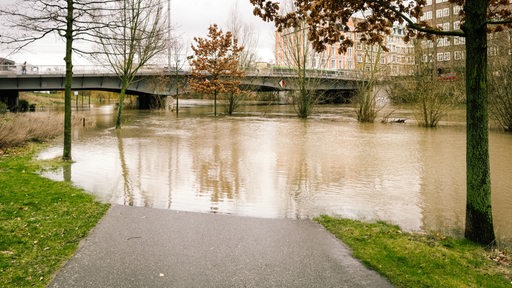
446, 12
443, 42
492, 51
426, 16
456, 25
458, 55
446, 56
456, 9
359, 57
439, 13
440, 56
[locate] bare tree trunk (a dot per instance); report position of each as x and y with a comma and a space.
66, 155
124, 87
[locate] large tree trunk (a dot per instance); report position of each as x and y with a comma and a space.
69, 80
479, 223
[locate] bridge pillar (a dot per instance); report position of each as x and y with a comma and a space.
10, 98
337, 96
145, 102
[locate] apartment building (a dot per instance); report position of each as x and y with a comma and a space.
399, 60
448, 53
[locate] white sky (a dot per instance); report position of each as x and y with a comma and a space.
190, 18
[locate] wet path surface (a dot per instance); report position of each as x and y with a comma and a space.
145, 247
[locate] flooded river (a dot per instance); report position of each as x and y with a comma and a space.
267, 163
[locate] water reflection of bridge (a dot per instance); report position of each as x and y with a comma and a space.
14, 79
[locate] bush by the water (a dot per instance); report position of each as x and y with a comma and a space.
23, 105
3, 108
17, 129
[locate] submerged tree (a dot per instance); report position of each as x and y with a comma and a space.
500, 79
215, 66
327, 24
432, 96
73, 20
136, 34
305, 64
297, 52
246, 37
366, 97
178, 61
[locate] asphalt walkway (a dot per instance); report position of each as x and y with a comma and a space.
143, 247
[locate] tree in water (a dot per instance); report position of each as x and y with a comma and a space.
136, 34
304, 63
327, 22
73, 20
215, 66
500, 76
367, 99
432, 96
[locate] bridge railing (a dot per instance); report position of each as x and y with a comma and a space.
314, 73
29, 69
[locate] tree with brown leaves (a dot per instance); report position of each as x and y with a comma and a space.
327, 21
215, 66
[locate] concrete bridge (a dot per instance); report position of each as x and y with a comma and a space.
14, 79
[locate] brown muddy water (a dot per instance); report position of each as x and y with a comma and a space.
265, 162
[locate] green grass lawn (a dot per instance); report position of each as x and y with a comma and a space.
41, 221
421, 260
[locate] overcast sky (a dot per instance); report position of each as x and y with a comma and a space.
190, 18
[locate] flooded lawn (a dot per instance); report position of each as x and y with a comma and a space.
267, 163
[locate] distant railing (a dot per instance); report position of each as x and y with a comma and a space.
29, 69
318, 73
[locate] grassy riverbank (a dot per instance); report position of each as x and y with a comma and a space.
41, 221
417, 260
